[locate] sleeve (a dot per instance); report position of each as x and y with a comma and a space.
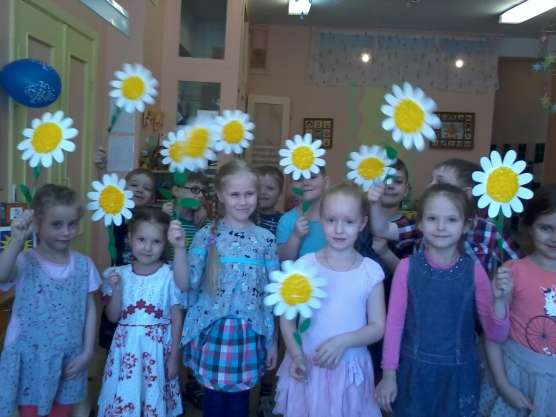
375, 274
285, 228
510, 248
176, 297
197, 256
395, 319
17, 275
496, 330
94, 277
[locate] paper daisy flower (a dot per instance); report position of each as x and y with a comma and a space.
500, 184
233, 132
110, 200
135, 86
188, 148
410, 116
295, 289
369, 166
47, 138
302, 156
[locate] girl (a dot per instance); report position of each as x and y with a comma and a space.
141, 370
271, 181
51, 334
142, 183
524, 368
431, 316
228, 333
332, 375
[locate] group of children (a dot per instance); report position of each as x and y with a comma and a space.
442, 276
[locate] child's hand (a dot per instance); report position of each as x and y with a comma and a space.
272, 357
22, 226
386, 392
329, 353
301, 227
115, 281
172, 365
375, 193
101, 158
515, 397
176, 235
200, 216
77, 365
502, 284
169, 208
298, 368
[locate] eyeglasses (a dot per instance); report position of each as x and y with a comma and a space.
194, 190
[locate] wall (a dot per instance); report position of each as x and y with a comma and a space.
518, 115
356, 110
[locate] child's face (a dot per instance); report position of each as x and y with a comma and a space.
239, 197
58, 226
143, 189
269, 192
543, 234
312, 188
342, 221
442, 222
395, 191
192, 189
147, 242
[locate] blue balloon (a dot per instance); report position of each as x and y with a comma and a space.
31, 83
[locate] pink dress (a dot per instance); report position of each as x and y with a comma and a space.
347, 390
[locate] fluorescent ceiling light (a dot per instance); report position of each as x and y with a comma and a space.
299, 7
526, 10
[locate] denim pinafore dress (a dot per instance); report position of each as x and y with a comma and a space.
51, 317
438, 374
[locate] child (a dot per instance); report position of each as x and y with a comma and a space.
140, 376
300, 233
51, 334
191, 219
524, 368
332, 374
228, 334
481, 238
271, 182
142, 183
431, 316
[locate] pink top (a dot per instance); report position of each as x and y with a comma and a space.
54, 271
495, 329
532, 303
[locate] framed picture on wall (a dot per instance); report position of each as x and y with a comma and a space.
457, 131
320, 128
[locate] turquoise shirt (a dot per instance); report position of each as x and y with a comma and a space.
312, 242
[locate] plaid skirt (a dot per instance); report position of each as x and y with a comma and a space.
227, 356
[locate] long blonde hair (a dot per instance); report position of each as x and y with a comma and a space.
234, 167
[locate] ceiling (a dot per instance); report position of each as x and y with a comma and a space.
455, 16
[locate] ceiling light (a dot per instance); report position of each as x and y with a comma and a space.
365, 57
526, 10
299, 7
459, 63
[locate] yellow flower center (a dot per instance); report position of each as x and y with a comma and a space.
303, 157
409, 116
197, 143
111, 200
370, 168
133, 87
296, 289
502, 185
233, 132
46, 137
177, 151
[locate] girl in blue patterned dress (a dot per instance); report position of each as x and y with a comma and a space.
51, 334
228, 334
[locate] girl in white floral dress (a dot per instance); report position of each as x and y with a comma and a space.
141, 373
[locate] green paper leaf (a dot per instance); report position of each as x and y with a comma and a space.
180, 178
304, 325
391, 153
36, 172
297, 338
297, 191
188, 203
26, 194
305, 206
112, 244
166, 195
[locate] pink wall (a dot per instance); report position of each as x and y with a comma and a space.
356, 110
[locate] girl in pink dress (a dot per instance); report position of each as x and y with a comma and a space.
331, 375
